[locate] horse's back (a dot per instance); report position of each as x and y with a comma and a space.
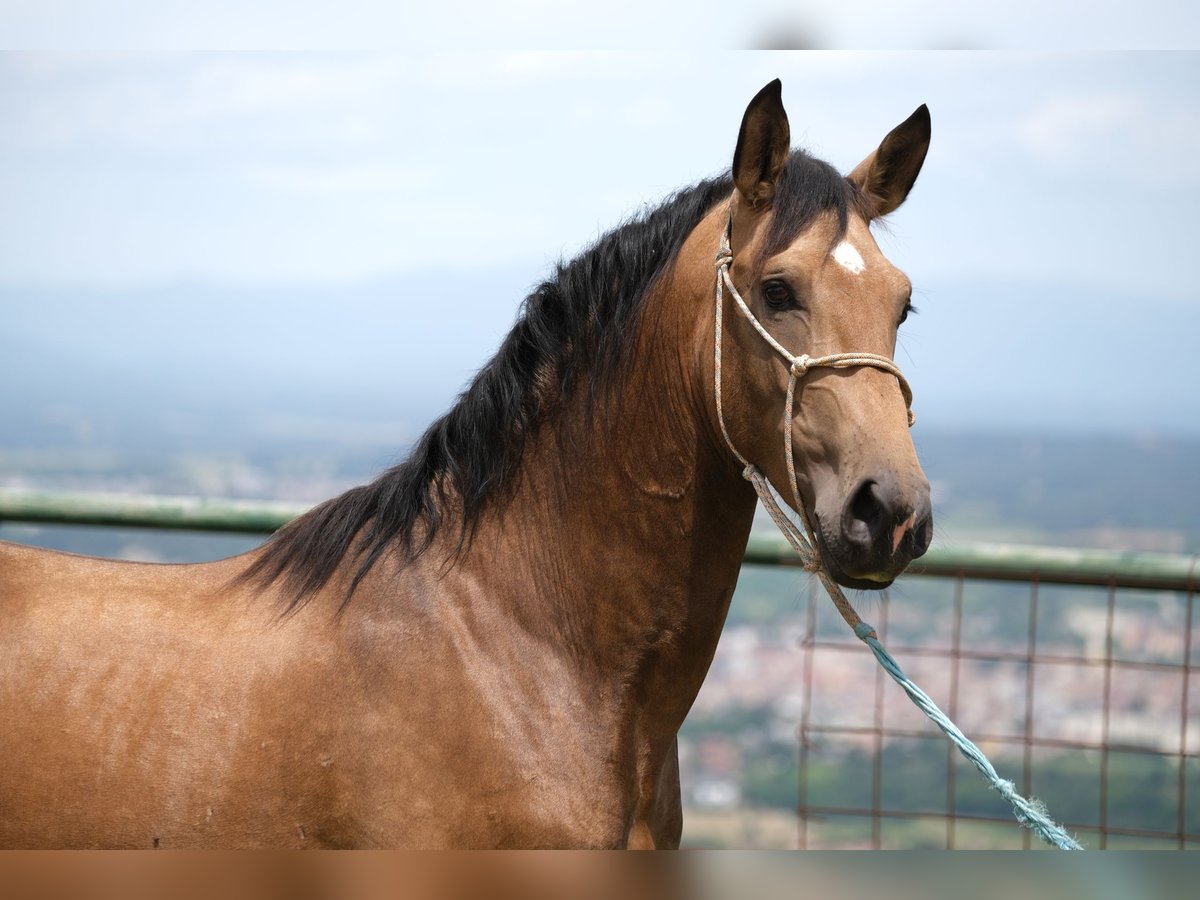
53, 602
151, 705
131, 693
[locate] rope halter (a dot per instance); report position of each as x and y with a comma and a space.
802, 540
1029, 813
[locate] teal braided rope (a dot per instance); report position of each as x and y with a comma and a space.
1030, 813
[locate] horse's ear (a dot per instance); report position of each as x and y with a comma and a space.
763, 145
888, 174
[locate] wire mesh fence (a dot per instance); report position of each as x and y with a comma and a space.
1084, 696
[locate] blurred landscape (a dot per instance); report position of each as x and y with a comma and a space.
1104, 491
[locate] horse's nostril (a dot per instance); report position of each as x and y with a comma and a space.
922, 537
865, 504
867, 513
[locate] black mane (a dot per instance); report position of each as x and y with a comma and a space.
574, 329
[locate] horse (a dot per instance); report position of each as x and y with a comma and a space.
495, 643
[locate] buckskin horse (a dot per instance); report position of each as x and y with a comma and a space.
495, 643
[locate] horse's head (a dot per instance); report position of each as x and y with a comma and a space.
806, 264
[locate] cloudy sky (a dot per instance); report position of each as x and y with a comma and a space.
1051, 235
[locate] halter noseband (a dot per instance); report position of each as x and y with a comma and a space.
804, 541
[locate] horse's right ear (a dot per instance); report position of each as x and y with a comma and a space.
763, 145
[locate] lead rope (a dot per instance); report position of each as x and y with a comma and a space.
1031, 813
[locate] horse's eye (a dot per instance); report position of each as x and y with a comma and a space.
908, 308
779, 296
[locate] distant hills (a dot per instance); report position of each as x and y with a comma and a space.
1123, 492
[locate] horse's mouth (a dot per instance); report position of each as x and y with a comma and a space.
859, 583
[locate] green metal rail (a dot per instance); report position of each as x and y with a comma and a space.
1161, 571
148, 511
1011, 562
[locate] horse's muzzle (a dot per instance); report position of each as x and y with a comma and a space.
881, 529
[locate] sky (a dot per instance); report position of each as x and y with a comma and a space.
650, 25
383, 213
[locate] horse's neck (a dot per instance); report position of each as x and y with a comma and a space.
622, 540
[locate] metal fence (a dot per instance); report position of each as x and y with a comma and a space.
1073, 669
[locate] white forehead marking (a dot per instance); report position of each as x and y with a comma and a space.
848, 258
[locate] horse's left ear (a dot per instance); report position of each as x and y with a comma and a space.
888, 174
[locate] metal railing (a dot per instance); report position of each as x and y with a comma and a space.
147, 511
1108, 636
1000, 562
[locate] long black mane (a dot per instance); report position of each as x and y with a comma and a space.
574, 329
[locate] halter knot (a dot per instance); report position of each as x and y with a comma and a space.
801, 364
724, 258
